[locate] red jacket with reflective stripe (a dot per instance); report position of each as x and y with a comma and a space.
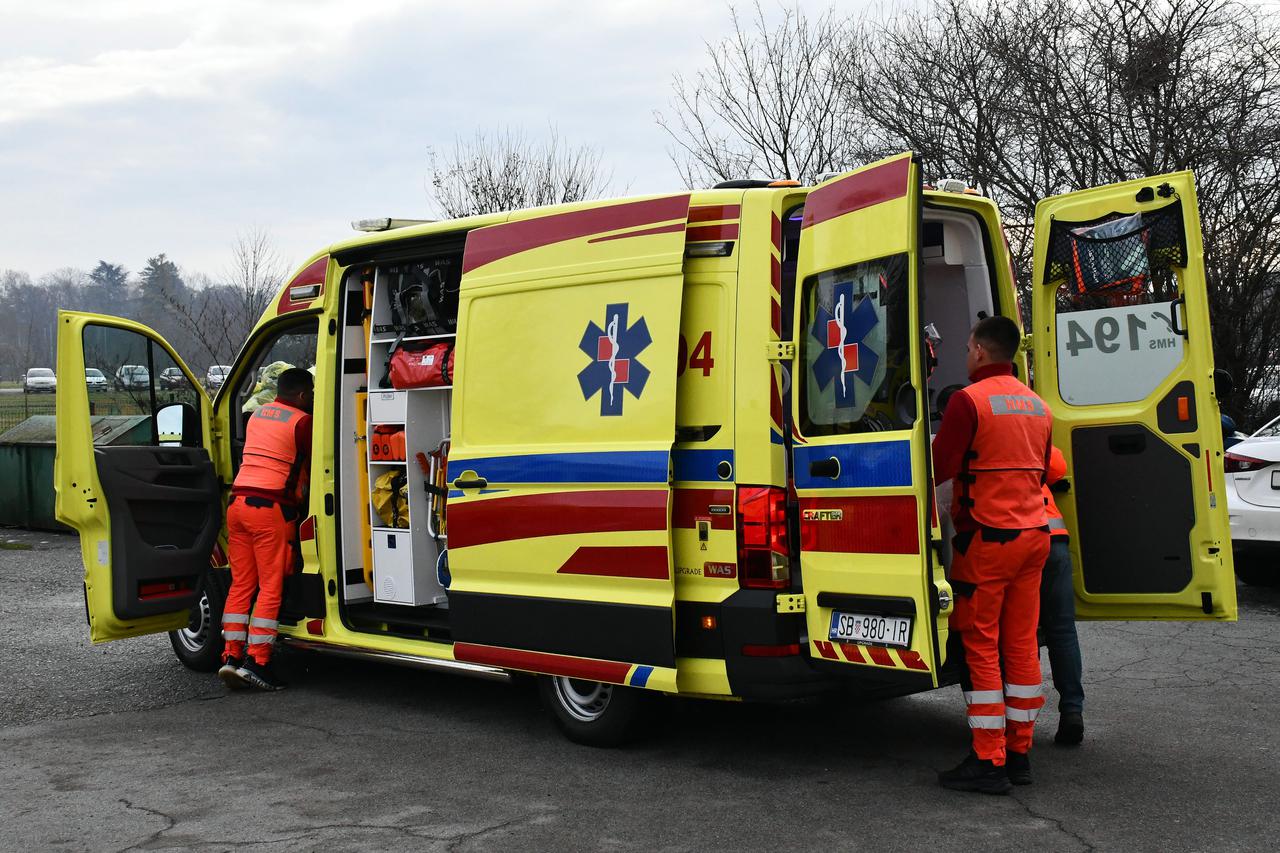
1002, 478
277, 449
1057, 470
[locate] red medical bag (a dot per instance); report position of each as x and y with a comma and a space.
422, 366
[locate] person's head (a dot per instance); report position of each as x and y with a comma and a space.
295, 387
994, 340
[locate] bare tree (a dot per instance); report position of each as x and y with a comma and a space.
505, 170
768, 104
218, 315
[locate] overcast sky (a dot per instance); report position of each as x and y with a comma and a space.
129, 128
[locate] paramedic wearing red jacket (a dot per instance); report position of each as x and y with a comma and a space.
262, 517
994, 442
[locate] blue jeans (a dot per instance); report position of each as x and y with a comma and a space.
1058, 626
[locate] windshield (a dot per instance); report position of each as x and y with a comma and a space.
218, 370
1271, 430
134, 370
93, 373
40, 371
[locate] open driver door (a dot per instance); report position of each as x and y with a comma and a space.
147, 505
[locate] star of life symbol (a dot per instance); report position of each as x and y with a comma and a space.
843, 332
614, 365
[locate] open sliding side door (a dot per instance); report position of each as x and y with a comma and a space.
146, 503
559, 518
861, 457
1124, 357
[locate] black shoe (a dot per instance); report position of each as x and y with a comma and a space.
1070, 729
259, 675
229, 675
1017, 766
976, 774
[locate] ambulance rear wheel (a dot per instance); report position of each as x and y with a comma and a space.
595, 714
199, 644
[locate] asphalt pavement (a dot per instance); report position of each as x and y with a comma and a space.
118, 747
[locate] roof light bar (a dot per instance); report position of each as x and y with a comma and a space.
385, 223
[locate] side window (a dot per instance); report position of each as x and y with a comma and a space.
1120, 330
145, 384
853, 348
292, 346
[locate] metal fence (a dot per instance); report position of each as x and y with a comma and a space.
17, 407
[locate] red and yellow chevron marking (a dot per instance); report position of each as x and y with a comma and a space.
872, 655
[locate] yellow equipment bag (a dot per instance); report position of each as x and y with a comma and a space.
391, 498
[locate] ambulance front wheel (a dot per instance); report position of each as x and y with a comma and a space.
199, 644
596, 714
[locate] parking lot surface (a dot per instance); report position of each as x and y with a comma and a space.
118, 747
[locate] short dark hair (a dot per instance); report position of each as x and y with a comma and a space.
999, 336
294, 382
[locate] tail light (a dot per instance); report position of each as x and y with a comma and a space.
1236, 463
764, 557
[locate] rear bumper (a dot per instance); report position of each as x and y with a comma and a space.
1252, 526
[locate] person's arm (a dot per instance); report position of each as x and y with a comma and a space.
955, 436
302, 440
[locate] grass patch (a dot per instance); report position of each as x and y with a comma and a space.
15, 546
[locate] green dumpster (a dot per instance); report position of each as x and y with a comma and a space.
26, 464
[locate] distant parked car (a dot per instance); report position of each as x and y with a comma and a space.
94, 379
39, 380
172, 377
1252, 469
216, 376
130, 376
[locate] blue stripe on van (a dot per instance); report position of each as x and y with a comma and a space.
862, 466
700, 464
619, 466
641, 676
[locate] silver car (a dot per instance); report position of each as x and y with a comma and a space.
39, 380
94, 379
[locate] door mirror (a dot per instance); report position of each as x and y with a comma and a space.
178, 425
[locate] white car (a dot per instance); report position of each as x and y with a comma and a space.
216, 375
1252, 470
39, 380
94, 379
131, 376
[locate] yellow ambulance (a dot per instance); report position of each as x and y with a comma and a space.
676, 444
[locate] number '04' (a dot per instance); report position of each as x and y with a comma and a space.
1106, 335
699, 359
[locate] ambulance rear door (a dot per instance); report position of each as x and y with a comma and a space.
564, 417
134, 475
1124, 357
861, 464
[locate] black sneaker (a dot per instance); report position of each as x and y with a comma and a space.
1070, 729
976, 774
259, 675
230, 676
1017, 766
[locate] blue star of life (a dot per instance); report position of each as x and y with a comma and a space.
614, 368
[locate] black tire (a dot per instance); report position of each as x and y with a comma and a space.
1257, 571
199, 645
595, 714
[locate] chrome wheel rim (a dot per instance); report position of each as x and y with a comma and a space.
583, 700
194, 640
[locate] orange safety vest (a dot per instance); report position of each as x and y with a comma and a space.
1056, 471
270, 462
1002, 479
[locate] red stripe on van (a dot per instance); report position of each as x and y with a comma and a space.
864, 189
912, 660
712, 232
661, 229
826, 650
775, 232
313, 274
486, 245
852, 653
623, 561
714, 212
871, 525
775, 273
571, 667
688, 505
880, 656
480, 522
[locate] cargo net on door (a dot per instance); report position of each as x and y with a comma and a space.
1119, 259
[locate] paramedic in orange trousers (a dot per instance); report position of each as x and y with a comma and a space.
262, 526
994, 442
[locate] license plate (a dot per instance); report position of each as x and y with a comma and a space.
1275, 479
871, 628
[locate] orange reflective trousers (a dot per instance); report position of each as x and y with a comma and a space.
996, 580
260, 546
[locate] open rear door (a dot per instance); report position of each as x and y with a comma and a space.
1124, 357
145, 502
559, 519
861, 466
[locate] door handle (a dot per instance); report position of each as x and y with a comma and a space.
470, 483
829, 467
